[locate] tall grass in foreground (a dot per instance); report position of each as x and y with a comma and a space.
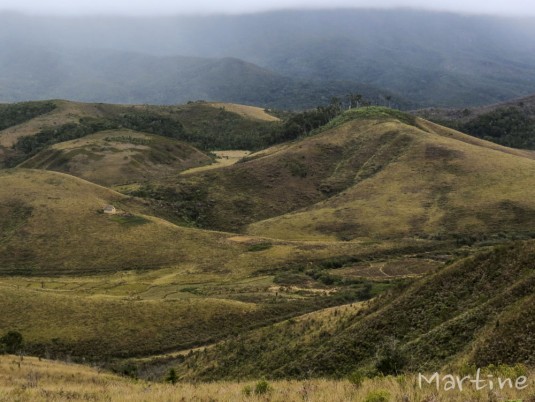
31, 379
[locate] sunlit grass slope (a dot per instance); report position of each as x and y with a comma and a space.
419, 180
372, 172
118, 157
52, 223
250, 112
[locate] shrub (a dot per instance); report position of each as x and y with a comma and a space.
247, 390
377, 396
356, 378
259, 247
262, 387
390, 358
172, 377
12, 342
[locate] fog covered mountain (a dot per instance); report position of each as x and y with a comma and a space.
283, 59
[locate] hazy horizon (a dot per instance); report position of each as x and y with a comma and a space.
514, 8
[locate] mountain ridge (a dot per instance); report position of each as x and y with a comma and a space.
103, 75
429, 58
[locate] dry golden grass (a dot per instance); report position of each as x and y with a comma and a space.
250, 112
31, 379
64, 232
224, 158
67, 233
118, 157
441, 182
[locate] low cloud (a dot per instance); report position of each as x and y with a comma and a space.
166, 7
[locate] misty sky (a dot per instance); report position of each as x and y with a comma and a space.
166, 7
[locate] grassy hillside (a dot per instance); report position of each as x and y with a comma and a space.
116, 157
209, 126
32, 379
62, 112
371, 172
423, 180
368, 243
14, 114
467, 313
76, 281
53, 223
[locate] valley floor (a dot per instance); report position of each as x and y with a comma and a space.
32, 379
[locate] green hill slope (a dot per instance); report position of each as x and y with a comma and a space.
205, 125
53, 224
465, 313
423, 181
14, 114
76, 281
371, 172
116, 157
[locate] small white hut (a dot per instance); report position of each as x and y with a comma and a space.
109, 209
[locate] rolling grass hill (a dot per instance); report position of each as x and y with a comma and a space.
371, 172
117, 157
53, 223
58, 113
78, 282
209, 126
371, 237
466, 313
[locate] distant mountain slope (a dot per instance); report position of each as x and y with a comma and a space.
510, 123
465, 313
29, 72
429, 58
526, 104
119, 157
372, 172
